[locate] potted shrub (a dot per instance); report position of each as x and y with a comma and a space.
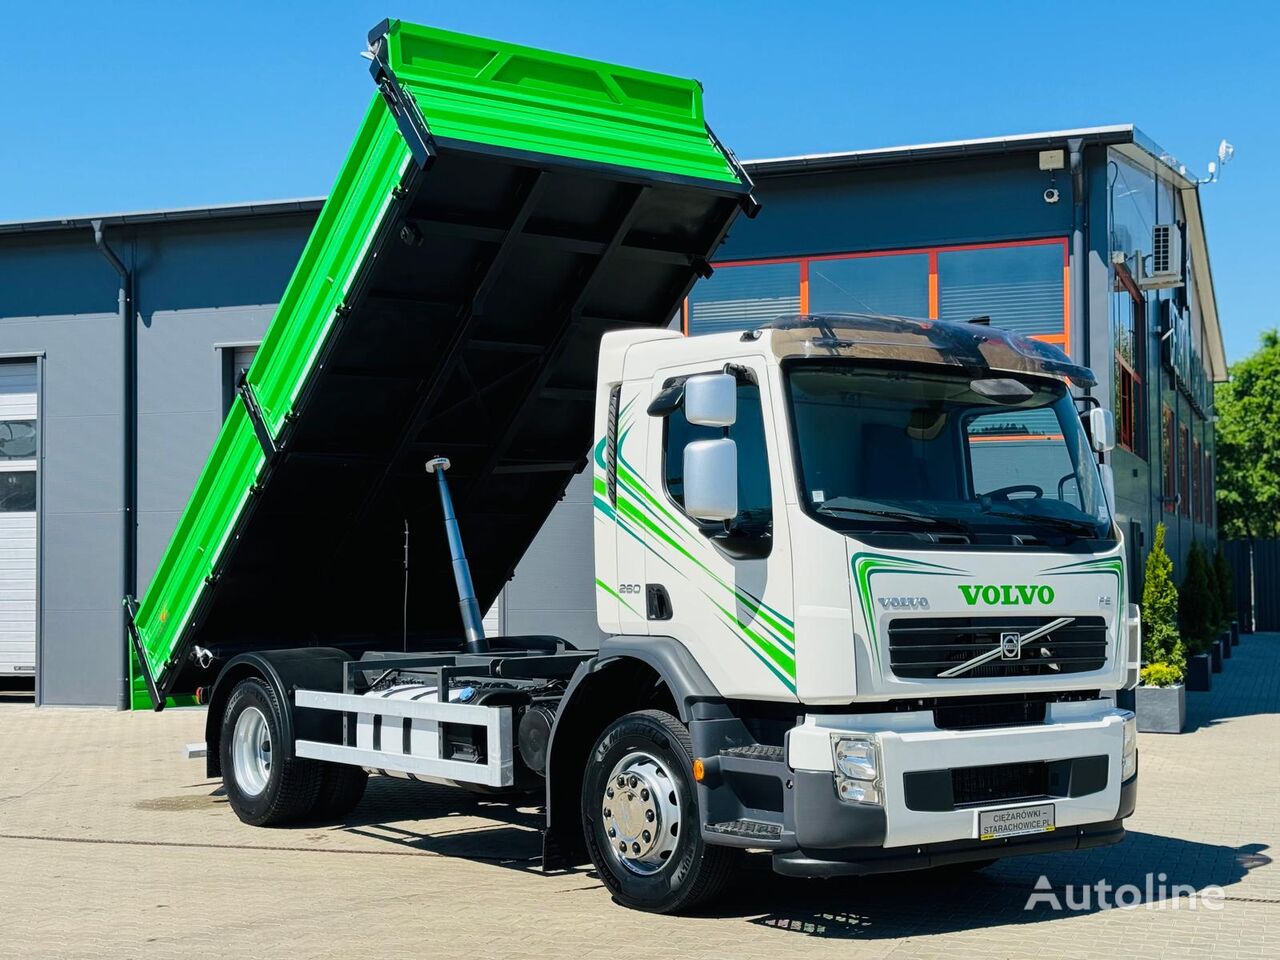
1225, 581
1195, 621
1161, 699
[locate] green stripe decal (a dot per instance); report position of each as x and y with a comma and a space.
638, 510
617, 596
867, 565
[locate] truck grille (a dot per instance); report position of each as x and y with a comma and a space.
977, 786
923, 648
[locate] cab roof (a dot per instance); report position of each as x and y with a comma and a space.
971, 346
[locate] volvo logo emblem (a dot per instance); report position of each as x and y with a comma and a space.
904, 603
1010, 646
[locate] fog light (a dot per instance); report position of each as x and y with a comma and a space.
857, 791
856, 758
1129, 753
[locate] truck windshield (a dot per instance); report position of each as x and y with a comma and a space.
907, 451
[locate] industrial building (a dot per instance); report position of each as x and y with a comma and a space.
121, 338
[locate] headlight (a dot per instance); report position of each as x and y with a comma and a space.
857, 763
1129, 753
856, 758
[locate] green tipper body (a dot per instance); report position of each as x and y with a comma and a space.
506, 95
448, 104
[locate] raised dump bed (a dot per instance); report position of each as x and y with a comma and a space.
500, 209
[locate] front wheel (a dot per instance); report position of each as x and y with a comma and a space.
640, 817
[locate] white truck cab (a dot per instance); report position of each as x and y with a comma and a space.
888, 546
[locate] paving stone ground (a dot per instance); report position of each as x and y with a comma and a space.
113, 845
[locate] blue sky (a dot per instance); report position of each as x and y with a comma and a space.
127, 105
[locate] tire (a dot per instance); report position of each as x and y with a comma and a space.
674, 870
341, 789
263, 792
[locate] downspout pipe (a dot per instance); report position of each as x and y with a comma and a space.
129, 497
1079, 201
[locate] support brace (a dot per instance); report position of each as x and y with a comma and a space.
260, 428
130, 613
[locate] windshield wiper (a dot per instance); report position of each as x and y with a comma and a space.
898, 515
1062, 523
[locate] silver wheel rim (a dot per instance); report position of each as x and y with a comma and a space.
640, 812
251, 751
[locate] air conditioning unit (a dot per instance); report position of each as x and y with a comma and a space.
1166, 258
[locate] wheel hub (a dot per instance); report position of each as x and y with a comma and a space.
251, 751
640, 812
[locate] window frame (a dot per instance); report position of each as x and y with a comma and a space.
1184, 472
754, 547
1197, 482
1131, 419
1062, 339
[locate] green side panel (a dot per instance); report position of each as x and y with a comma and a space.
206, 523
506, 95
333, 252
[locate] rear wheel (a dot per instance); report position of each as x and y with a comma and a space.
341, 790
640, 817
264, 785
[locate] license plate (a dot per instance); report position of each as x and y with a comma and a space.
1012, 821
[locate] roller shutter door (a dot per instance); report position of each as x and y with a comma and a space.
17, 518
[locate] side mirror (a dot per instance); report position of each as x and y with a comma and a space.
711, 400
711, 479
1102, 429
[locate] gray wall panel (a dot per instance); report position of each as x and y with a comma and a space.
74, 541
155, 527
82, 459
196, 285
80, 473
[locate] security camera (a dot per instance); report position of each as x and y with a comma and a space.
1051, 195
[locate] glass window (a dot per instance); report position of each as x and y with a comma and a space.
1021, 449
1170, 461
1128, 327
755, 503
892, 451
17, 439
1197, 481
1020, 288
1184, 475
17, 491
743, 297
897, 284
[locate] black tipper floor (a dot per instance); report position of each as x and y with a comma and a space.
474, 335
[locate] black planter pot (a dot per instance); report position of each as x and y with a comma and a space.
1235, 633
1224, 641
1215, 657
1198, 670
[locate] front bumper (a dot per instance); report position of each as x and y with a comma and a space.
921, 822
911, 744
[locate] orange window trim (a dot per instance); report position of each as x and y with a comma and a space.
1062, 339
933, 284
1014, 437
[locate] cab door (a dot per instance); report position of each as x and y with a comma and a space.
725, 593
